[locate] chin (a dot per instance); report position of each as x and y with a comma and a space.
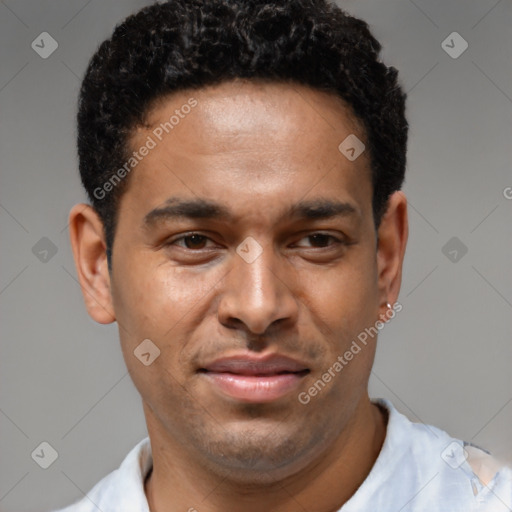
256, 457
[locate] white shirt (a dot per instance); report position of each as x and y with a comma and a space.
420, 468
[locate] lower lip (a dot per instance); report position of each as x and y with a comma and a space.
256, 389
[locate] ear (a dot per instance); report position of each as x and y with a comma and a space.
89, 251
392, 239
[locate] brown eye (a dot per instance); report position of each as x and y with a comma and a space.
192, 248
194, 241
319, 240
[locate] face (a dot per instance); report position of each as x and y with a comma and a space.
246, 252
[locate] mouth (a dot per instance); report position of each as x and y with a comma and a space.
254, 380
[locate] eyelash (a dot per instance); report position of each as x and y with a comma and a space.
337, 241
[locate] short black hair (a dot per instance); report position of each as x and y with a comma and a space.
190, 44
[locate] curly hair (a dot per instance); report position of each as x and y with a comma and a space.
190, 44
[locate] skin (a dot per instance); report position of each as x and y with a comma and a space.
257, 149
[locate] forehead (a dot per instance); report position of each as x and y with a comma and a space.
241, 108
247, 141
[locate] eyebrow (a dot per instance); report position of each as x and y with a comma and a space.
176, 208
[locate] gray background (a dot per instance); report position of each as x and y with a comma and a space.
444, 360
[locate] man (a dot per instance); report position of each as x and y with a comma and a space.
244, 161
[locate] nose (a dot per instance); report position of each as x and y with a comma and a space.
257, 294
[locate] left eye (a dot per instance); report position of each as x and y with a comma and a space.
193, 241
320, 240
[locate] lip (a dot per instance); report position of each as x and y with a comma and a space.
255, 379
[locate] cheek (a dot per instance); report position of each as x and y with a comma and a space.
157, 304
345, 297
344, 308
153, 300
166, 305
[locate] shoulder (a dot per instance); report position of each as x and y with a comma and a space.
122, 490
444, 469
489, 475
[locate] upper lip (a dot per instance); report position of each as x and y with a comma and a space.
250, 365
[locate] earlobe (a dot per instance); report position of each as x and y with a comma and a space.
89, 251
392, 240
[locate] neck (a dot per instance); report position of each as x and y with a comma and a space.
178, 483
